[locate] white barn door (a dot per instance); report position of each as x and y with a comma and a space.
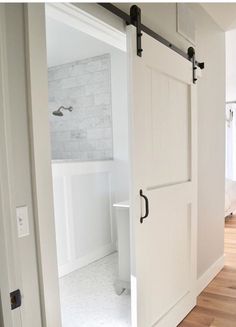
163, 155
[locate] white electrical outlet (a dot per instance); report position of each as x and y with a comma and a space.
22, 221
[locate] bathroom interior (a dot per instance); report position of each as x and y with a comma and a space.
88, 118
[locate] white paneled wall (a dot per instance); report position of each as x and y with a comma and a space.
83, 200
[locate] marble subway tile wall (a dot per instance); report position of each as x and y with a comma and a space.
85, 133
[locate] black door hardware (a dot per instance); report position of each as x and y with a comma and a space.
15, 298
201, 65
191, 55
135, 16
135, 19
146, 206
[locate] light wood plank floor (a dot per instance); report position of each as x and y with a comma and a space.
216, 305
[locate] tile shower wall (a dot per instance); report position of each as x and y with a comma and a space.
85, 133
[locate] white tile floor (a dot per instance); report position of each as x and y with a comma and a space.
88, 298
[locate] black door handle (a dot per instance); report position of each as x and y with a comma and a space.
146, 206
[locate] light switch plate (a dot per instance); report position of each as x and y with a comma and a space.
22, 221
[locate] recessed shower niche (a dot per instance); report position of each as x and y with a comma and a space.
82, 129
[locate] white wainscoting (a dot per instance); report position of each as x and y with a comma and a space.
83, 200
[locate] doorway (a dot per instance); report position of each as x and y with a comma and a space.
88, 116
157, 242
230, 111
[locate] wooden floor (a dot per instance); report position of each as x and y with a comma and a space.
216, 305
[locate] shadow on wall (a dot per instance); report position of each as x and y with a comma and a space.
85, 133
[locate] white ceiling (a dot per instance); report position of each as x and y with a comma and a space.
224, 14
66, 44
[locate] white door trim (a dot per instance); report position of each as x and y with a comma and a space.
5, 314
36, 62
10, 278
86, 23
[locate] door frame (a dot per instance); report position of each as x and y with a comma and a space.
10, 277
5, 313
37, 81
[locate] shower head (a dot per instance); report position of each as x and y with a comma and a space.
59, 112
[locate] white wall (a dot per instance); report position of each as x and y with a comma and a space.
211, 141
120, 125
59, 33
230, 43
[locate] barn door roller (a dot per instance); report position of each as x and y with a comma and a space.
191, 55
135, 19
135, 16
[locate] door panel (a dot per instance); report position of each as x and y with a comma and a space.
169, 132
163, 158
165, 267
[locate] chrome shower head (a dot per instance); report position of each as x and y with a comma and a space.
58, 112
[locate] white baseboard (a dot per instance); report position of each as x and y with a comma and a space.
208, 276
85, 260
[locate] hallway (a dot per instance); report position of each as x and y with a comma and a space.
216, 305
